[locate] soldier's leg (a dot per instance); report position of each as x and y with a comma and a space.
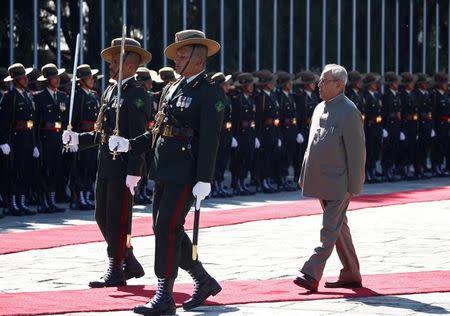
333, 218
101, 200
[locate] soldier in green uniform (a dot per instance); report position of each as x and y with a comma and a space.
117, 175
185, 138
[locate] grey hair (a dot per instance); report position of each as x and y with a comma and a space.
337, 72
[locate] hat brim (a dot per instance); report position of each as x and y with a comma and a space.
93, 73
107, 53
28, 71
238, 84
42, 78
212, 46
299, 80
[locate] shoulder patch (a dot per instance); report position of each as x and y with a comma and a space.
139, 103
219, 106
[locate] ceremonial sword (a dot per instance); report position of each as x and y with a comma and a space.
72, 91
119, 87
195, 230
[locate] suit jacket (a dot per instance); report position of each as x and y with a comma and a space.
334, 161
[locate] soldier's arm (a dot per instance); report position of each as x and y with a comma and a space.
211, 120
5, 118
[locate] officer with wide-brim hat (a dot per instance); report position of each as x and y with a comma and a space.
17, 71
306, 77
220, 77
438, 79
266, 77
85, 71
191, 37
245, 78
283, 78
422, 78
390, 77
131, 45
145, 74
407, 78
50, 71
370, 78
354, 77
166, 74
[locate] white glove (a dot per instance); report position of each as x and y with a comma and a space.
131, 182
35, 152
234, 142
70, 138
73, 148
385, 133
300, 138
279, 143
402, 136
5, 148
257, 144
433, 133
120, 144
201, 190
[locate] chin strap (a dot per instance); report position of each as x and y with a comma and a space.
189, 60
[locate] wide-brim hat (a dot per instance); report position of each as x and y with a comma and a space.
145, 74
220, 77
33, 76
390, 77
97, 76
440, 78
422, 78
65, 79
245, 78
84, 71
284, 77
166, 74
265, 77
407, 78
3, 73
49, 71
191, 37
371, 77
16, 71
306, 77
131, 45
354, 76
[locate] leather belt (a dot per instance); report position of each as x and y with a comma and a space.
227, 126
170, 131
23, 125
426, 116
52, 127
271, 122
395, 115
377, 120
246, 124
445, 118
411, 117
87, 126
290, 121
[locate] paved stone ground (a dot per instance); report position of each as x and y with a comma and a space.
404, 238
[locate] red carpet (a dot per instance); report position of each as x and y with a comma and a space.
234, 292
81, 234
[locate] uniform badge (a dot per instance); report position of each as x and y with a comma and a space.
139, 103
183, 102
219, 106
62, 106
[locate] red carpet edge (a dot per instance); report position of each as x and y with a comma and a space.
87, 233
234, 292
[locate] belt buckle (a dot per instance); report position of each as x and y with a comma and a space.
30, 124
378, 119
430, 116
294, 121
228, 125
252, 124
415, 117
57, 125
276, 122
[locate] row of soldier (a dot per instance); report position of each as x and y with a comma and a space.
264, 136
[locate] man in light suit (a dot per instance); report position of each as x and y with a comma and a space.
333, 171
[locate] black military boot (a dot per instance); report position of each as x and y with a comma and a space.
25, 209
81, 203
162, 302
87, 198
13, 208
113, 277
266, 187
205, 286
246, 188
52, 203
131, 266
43, 204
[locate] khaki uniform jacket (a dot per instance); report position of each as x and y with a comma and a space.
334, 162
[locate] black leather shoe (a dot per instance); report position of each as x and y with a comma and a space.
161, 303
205, 286
343, 284
131, 266
113, 277
307, 282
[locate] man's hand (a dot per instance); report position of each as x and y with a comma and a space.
5, 148
119, 144
402, 136
300, 139
385, 133
234, 142
131, 182
70, 138
279, 143
257, 143
433, 133
36, 152
201, 190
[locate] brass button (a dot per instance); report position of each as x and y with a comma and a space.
183, 148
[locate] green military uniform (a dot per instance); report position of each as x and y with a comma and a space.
185, 153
